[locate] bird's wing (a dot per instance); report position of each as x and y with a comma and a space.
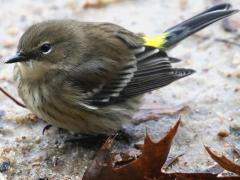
122, 67
151, 69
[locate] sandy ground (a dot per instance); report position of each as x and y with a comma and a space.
212, 93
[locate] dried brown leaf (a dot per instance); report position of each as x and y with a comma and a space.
223, 161
152, 159
148, 164
101, 168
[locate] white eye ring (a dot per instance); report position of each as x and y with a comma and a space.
46, 48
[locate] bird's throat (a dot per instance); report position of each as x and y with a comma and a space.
32, 70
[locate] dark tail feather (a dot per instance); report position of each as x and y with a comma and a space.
196, 23
174, 60
218, 7
181, 72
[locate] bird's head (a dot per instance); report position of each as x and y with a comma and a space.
47, 46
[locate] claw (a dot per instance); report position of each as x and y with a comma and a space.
47, 127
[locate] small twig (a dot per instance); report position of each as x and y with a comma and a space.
12, 98
144, 115
171, 160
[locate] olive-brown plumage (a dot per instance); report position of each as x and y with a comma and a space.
90, 77
86, 83
58, 86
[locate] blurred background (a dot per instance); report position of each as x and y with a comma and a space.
211, 95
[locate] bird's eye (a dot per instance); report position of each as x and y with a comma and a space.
46, 48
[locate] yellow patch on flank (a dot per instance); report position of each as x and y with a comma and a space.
156, 41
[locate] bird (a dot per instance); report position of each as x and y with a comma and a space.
90, 77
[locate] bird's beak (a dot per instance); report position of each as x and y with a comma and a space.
19, 57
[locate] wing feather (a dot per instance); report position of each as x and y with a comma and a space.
122, 67
150, 69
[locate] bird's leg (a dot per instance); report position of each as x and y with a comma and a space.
123, 135
93, 140
147, 113
88, 140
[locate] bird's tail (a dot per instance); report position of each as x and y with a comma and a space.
181, 31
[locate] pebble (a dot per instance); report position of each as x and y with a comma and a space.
223, 133
4, 166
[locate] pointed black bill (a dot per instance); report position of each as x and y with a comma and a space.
19, 57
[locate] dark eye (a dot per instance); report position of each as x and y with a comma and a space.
46, 48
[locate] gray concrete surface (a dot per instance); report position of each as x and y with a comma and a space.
212, 93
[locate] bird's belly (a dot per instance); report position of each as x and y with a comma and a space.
49, 106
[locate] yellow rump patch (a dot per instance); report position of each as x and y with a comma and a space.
156, 41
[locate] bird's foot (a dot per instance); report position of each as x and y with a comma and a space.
88, 140
47, 127
123, 136
96, 140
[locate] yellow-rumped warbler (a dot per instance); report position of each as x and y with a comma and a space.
90, 77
